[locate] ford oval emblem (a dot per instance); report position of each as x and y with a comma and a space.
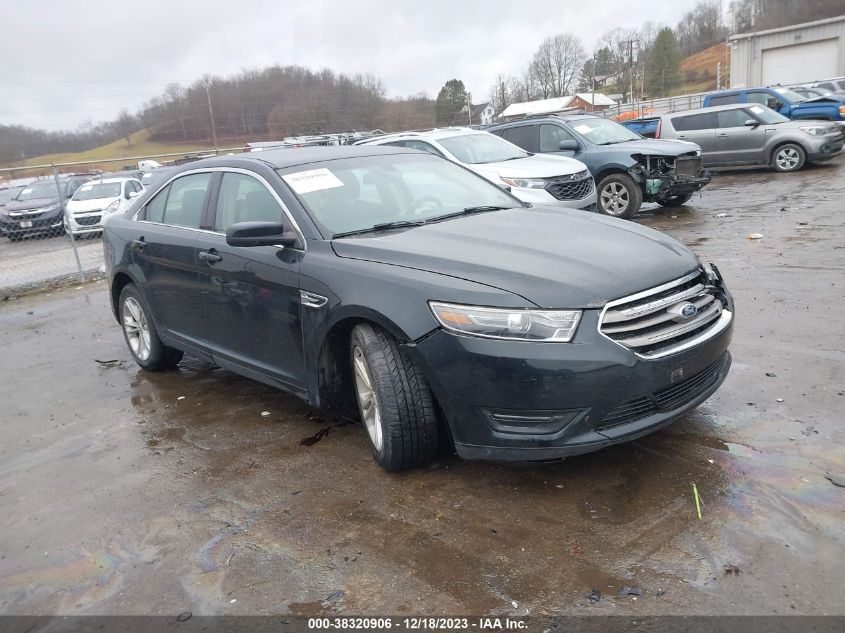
689, 311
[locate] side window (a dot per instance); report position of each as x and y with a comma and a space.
243, 198
724, 99
525, 136
733, 118
185, 200
828, 85
694, 122
422, 145
154, 211
551, 136
395, 143
759, 97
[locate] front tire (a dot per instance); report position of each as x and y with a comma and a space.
789, 157
141, 335
619, 196
396, 405
674, 201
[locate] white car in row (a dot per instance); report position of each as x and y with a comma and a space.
97, 199
535, 178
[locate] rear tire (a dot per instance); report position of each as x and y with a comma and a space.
619, 196
141, 335
788, 157
394, 400
674, 201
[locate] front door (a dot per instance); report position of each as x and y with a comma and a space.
251, 294
164, 249
737, 143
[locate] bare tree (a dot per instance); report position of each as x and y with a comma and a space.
557, 64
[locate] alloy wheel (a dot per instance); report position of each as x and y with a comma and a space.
137, 328
367, 400
614, 198
787, 158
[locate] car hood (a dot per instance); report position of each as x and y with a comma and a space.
535, 166
822, 100
554, 258
35, 203
655, 147
81, 206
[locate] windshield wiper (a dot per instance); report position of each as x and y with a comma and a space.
399, 224
468, 211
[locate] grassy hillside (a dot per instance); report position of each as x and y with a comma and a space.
698, 72
140, 145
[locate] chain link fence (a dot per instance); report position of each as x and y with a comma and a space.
51, 217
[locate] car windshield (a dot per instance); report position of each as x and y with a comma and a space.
476, 149
360, 193
43, 189
789, 94
8, 194
767, 115
97, 191
603, 131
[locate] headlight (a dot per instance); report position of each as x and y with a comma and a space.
508, 323
815, 130
528, 183
113, 206
842, 109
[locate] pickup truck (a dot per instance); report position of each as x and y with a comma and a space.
783, 100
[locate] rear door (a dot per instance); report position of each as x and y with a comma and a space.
700, 129
737, 143
251, 294
164, 249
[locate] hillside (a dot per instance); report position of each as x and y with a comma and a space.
698, 71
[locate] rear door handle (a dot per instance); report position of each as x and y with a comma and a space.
139, 244
209, 257
723, 135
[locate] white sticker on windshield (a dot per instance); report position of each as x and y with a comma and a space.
583, 129
312, 180
27, 191
756, 109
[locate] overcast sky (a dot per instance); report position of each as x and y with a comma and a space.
62, 63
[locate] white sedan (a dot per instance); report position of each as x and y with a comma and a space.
97, 199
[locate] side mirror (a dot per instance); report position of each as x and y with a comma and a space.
568, 145
260, 234
131, 194
751, 123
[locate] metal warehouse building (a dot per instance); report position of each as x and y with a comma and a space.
791, 54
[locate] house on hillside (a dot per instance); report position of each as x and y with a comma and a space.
579, 102
481, 114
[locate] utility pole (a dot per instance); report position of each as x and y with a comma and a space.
211, 114
469, 108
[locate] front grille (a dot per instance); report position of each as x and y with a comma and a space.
564, 189
28, 214
659, 321
688, 166
89, 220
667, 399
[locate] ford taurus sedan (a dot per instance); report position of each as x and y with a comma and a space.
406, 290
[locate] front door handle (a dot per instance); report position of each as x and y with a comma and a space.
139, 244
209, 257
723, 135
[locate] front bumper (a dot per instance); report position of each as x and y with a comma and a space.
826, 147
87, 222
525, 401
48, 222
541, 196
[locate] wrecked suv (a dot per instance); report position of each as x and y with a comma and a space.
628, 169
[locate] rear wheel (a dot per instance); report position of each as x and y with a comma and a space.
788, 157
395, 403
674, 201
619, 196
141, 334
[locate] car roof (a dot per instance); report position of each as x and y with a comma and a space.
433, 134
291, 157
97, 181
716, 108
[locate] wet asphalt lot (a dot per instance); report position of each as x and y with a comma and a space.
125, 492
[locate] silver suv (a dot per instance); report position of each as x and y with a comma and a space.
752, 134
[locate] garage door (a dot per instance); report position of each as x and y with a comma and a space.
800, 62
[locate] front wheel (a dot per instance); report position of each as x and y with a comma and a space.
395, 403
141, 334
789, 157
674, 201
619, 196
